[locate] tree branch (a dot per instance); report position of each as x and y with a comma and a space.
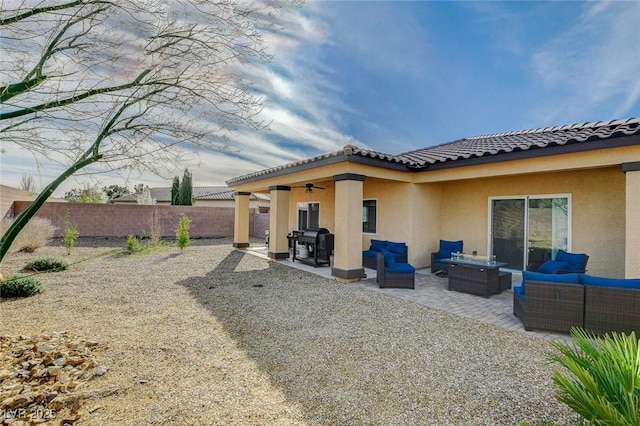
73, 99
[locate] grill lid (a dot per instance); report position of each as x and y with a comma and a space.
314, 232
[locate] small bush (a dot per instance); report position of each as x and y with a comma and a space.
47, 264
182, 232
70, 234
37, 233
602, 378
20, 286
155, 228
133, 244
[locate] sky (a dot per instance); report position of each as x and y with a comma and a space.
395, 76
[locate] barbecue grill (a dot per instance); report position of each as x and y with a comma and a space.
319, 243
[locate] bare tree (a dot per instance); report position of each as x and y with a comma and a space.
28, 183
121, 83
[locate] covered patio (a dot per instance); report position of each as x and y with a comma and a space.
511, 195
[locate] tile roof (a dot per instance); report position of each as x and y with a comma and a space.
474, 147
522, 140
163, 194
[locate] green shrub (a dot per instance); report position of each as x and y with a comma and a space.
602, 378
46, 264
37, 233
20, 286
182, 232
133, 244
70, 234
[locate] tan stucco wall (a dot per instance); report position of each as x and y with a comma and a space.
323, 196
633, 224
597, 211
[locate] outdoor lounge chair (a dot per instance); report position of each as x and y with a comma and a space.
399, 251
565, 263
394, 274
444, 252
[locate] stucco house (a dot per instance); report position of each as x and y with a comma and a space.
211, 196
9, 195
513, 194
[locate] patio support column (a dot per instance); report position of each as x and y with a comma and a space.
279, 222
347, 255
241, 220
632, 233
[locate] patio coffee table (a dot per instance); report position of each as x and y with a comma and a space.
482, 278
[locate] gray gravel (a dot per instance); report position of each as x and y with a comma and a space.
217, 336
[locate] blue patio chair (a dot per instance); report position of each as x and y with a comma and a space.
390, 273
446, 248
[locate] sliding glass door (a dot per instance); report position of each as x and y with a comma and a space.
507, 224
526, 231
548, 229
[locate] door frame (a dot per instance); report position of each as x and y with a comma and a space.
526, 199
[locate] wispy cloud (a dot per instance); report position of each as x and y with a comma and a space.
593, 62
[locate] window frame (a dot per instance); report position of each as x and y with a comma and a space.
375, 224
527, 198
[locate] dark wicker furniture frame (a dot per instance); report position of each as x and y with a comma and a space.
551, 306
477, 278
608, 309
392, 279
437, 266
369, 262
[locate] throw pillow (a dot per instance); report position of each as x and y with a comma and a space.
389, 259
550, 266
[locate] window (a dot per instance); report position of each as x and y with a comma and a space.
369, 210
308, 216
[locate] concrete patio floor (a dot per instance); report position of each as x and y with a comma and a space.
431, 291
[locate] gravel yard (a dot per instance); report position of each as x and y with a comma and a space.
214, 336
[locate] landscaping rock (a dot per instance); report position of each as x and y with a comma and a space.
42, 372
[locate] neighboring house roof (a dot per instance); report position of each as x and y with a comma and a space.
487, 148
163, 194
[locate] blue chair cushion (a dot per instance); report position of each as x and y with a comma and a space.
378, 245
403, 268
389, 260
370, 253
555, 278
396, 248
575, 261
448, 247
550, 266
609, 282
519, 292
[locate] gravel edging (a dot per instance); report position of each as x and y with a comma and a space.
218, 336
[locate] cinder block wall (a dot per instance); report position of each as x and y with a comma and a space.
120, 220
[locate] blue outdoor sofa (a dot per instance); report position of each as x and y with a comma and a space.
398, 250
558, 302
